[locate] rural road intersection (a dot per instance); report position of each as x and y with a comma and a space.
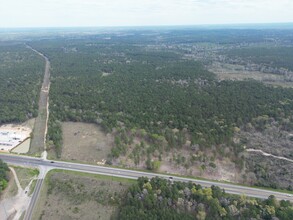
46, 165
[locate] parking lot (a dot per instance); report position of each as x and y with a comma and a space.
11, 136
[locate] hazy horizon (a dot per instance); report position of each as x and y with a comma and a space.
129, 13
284, 25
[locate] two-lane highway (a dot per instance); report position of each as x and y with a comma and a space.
132, 174
29, 211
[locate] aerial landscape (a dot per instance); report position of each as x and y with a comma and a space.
144, 115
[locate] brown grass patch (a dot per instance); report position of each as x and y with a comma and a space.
85, 143
73, 195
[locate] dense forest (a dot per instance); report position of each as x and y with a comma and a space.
140, 84
3, 175
280, 57
155, 90
164, 199
21, 71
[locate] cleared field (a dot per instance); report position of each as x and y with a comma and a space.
22, 148
15, 198
74, 195
237, 72
85, 142
37, 142
40, 127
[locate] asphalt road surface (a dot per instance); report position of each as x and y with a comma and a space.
132, 174
29, 211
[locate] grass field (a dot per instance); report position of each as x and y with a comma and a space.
74, 195
25, 175
40, 127
85, 143
237, 72
37, 142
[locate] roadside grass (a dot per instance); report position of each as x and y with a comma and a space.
22, 216
171, 174
96, 176
12, 190
41, 200
51, 155
36, 155
25, 175
32, 187
185, 176
77, 195
37, 141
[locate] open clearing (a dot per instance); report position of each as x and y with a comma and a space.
40, 127
16, 197
74, 195
237, 72
85, 143
23, 147
25, 175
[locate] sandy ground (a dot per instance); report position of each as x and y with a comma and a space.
268, 155
22, 148
12, 135
13, 207
85, 142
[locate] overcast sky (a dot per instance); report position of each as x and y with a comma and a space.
63, 13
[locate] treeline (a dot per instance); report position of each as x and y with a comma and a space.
21, 71
164, 199
3, 175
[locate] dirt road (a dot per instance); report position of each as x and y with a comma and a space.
269, 155
14, 207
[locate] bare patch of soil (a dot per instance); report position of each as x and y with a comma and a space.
12, 206
85, 142
106, 74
